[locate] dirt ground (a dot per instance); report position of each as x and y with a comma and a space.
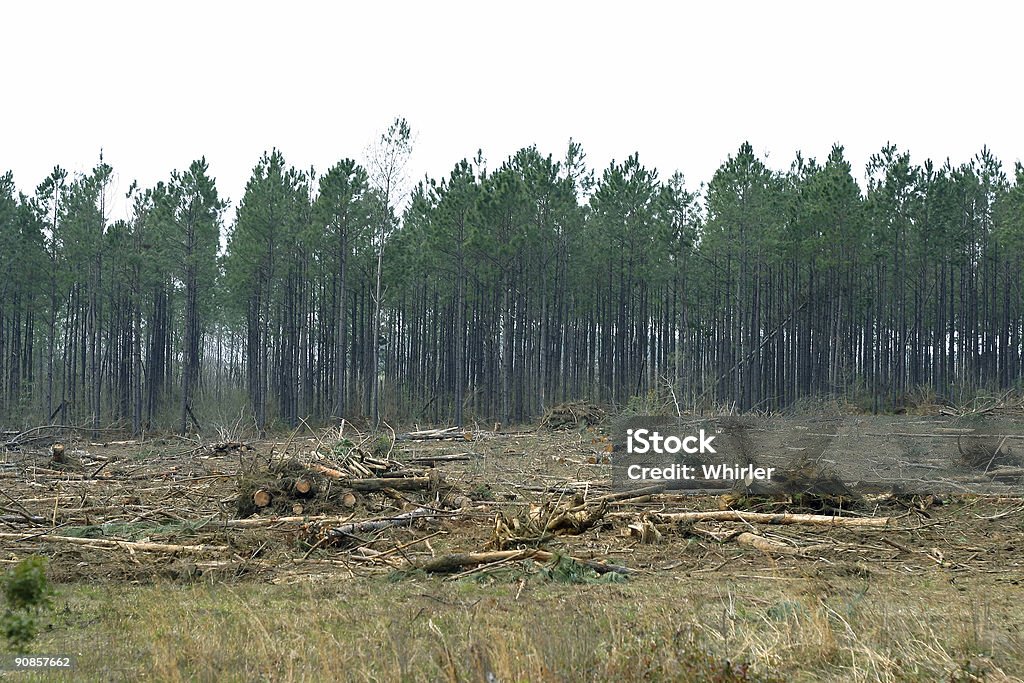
933, 594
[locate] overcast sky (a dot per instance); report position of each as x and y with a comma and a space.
159, 84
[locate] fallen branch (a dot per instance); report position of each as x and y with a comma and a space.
454, 457
317, 534
431, 434
326, 471
20, 518
124, 545
766, 545
404, 519
633, 495
22, 437
454, 561
766, 518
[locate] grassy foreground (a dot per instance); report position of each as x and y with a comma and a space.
710, 625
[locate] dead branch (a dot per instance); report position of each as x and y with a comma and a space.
766, 518
453, 457
320, 534
434, 434
455, 561
766, 545
110, 543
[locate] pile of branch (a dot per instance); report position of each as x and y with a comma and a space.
572, 416
358, 464
742, 530
223, 448
436, 434
542, 522
318, 534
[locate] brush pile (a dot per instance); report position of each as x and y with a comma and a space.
332, 480
567, 416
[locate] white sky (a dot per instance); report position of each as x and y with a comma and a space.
159, 84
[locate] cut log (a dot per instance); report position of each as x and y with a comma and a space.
261, 498
349, 500
296, 508
329, 472
303, 486
766, 518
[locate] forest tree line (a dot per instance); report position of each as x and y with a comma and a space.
496, 292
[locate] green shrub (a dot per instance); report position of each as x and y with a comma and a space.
26, 594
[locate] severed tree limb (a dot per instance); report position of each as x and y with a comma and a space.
124, 545
249, 523
635, 495
20, 518
453, 457
768, 518
626, 495
753, 540
329, 472
576, 520
454, 561
404, 519
766, 545
429, 434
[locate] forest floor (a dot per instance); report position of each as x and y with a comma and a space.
176, 572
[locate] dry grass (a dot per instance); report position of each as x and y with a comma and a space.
697, 627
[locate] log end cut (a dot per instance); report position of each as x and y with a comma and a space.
261, 498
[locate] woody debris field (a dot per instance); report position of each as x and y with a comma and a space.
505, 554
